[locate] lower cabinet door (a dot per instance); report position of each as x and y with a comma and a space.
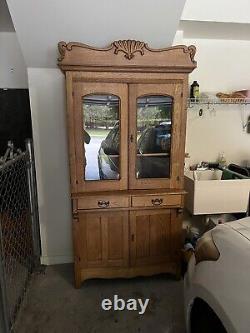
103, 239
151, 239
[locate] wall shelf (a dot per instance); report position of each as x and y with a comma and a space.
211, 103
215, 101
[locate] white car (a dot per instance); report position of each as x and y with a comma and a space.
217, 282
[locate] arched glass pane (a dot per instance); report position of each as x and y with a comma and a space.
101, 137
154, 128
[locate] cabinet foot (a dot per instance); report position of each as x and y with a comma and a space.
78, 279
78, 284
178, 273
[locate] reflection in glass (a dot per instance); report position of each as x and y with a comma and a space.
101, 137
154, 114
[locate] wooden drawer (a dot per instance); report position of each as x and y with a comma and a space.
156, 200
102, 202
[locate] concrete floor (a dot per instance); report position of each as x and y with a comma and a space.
53, 305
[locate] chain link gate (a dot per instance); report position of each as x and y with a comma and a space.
19, 234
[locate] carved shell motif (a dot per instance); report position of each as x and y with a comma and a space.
129, 47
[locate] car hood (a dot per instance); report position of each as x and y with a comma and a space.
224, 283
241, 226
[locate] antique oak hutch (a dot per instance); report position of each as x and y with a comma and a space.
126, 111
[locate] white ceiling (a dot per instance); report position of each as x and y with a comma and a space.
41, 24
217, 11
6, 24
215, 30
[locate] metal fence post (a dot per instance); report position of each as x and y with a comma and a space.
33, 201
4, 318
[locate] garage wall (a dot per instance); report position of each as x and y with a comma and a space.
47, 96
12, 67
92, 22
223, 66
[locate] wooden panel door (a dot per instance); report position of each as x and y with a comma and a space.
100, 135
156, 158
151, 233
102, 239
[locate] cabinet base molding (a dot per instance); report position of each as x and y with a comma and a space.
128, 272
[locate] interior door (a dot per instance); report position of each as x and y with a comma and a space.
154, 135
150, 234
101, 127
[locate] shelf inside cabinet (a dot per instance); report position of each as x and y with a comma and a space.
153, 155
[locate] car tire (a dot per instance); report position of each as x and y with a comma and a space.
204, 319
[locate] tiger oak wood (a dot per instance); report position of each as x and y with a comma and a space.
126, 227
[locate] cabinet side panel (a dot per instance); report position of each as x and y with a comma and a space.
178, 139
183, 131
71, 133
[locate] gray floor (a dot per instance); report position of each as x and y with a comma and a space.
53, 305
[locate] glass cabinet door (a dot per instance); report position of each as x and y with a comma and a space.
101, 137
153, 136
153, 124
101, 113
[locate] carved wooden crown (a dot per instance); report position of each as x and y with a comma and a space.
122, 54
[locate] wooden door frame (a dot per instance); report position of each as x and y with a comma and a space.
84, 88
172, 88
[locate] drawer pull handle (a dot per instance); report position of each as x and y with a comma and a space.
103, 204
156, 202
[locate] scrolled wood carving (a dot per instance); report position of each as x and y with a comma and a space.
62, 49
192, 51
78, 55
129, 47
